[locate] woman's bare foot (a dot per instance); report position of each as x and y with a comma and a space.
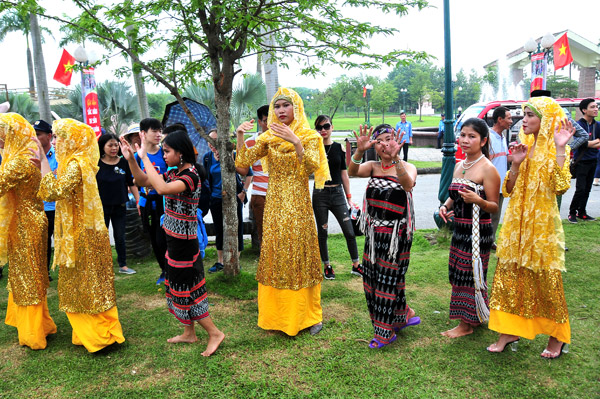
553, 349
411, 313
183, 338
213, 343
460, 330
503, 340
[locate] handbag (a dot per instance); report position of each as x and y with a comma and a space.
354, 212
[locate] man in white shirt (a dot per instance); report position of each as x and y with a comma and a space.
498, 155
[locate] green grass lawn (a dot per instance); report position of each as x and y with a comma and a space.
342, 122
336, 363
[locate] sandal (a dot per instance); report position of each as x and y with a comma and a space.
413, 321
564, 348
377, 344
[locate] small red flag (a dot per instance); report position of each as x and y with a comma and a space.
562, 52
64, 71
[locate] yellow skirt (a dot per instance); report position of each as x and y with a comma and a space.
507, 323
288, 310
96, 331
33, 322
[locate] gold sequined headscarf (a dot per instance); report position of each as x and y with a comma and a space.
301, 128
76, 141
18, 136
532, 234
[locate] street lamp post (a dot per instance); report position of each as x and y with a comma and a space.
448, 160
89, 95
540, 57
369, 87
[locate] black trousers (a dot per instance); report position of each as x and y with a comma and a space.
405, 151
50, 217
151, 214
584, 173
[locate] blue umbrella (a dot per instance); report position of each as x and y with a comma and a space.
174, 114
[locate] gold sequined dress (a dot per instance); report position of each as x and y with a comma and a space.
289, 270
24, 235
527, 296
82, 252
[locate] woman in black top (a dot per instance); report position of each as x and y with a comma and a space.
114, 177
334, 197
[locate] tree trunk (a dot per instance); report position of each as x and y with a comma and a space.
138, 82
271, 75
30, 70
223, 84
40, 70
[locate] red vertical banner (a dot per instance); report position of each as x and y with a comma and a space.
91, 107
539, 62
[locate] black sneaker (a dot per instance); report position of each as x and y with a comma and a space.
586, 217
356, 271
329, 274
572, 219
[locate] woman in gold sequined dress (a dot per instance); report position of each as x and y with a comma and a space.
82, 251
23, 230
527, 295
289, 271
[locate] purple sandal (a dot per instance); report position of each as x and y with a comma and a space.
413, 321
377, 344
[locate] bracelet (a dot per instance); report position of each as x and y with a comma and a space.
354, 161
513, 172
348, 196
398, 164
443, 205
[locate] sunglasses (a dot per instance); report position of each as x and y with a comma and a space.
326, 126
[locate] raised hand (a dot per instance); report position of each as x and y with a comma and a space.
245, 127
363, 139
563, 132
519, 153
393, 146
283, 131
141, 149
126, 149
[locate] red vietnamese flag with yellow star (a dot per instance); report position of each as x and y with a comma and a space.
64, 71
562, 52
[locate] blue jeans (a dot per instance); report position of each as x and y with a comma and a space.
333, 199
117, 215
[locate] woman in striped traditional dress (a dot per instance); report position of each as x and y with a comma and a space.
181, 185
388, 223
473, 198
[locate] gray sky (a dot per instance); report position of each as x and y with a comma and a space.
481, 31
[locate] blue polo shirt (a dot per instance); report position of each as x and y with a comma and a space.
406, 127
51, 156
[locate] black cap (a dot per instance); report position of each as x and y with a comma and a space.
42, 126
541, 93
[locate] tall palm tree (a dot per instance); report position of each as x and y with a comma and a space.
23, 104
250, 94
202, 94
12, 21
39, 68
118, 106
